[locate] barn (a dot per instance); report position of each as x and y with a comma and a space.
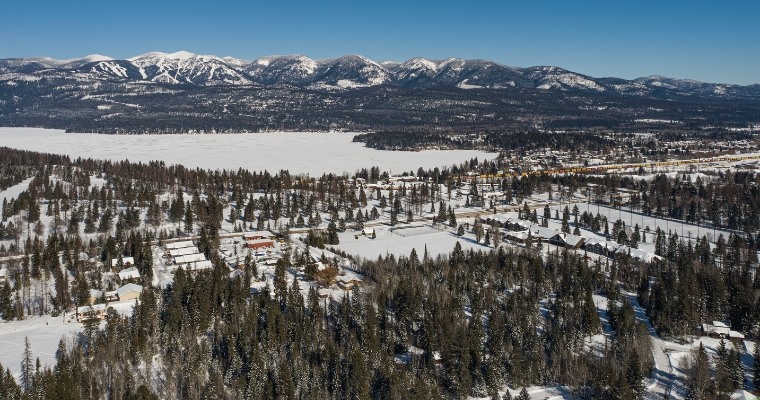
259, 243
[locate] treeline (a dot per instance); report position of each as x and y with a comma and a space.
73, 105
489, 138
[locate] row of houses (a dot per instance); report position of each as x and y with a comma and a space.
185, 254
518, 231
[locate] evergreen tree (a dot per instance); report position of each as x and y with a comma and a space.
634, 376
332, 233
6, 303
189, 219
27, 366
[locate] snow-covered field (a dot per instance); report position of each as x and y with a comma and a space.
44, 333
386, 242
299, 152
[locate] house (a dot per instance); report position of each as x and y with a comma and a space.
355, 281
95, 296
87, 313
567, 240
518, 237
345, 284
394, 179
129, 273
602, 247
545, 234
126, 261
129, 291
717, 330
368, 232
178, 245
259, 243
637, 254
514, 225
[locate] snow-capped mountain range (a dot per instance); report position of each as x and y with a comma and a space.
352, 71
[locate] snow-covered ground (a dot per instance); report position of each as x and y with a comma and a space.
13, 191
386, 242
44, 333
299, 152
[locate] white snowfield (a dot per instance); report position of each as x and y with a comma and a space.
44, 333
314, 153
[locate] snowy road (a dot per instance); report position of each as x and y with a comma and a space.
662, 376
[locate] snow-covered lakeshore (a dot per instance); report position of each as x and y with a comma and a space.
298, 152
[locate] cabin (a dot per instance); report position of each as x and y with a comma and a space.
129, 291
89, 313
259, 243
129, 273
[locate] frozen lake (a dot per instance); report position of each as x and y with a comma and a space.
298, 152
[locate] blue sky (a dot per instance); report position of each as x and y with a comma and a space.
707, 41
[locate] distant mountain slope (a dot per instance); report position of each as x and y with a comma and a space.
353, 71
